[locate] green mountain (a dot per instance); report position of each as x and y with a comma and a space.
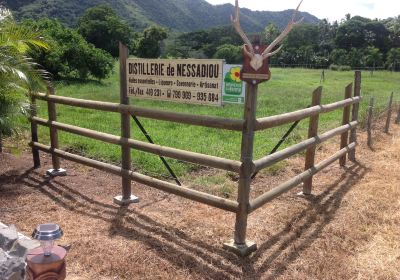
179, 15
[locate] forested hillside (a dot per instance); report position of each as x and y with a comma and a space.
180, 15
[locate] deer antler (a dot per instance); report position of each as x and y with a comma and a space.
267, 53
256, 59
236, 24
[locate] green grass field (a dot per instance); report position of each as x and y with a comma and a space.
288, 90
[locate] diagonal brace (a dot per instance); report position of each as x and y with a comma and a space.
167, 166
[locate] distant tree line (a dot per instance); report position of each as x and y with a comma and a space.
355, 42
90, 48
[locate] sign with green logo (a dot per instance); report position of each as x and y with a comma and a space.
233, 86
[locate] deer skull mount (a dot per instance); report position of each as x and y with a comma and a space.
255, 65
256, 57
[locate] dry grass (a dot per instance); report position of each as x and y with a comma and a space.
348, 230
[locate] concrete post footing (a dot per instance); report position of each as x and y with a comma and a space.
242, 250
119, 200
56, 172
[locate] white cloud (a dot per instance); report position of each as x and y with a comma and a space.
333, 9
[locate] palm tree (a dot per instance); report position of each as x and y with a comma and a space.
373, 57
393, 58
19, 75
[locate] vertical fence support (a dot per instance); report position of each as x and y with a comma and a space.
389, 114
312, 132
51, 108
1, 141
346, 119
126, 198
240, 245
398, 113
369, 121
34, 133
354, 115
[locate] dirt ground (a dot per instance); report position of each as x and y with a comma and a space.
349, 229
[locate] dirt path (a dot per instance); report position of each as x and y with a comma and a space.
350, 229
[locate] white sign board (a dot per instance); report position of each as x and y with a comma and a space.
195, 81
233, 89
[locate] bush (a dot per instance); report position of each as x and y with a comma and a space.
344, 68
70, 55
335, 67
339, 57
232, 54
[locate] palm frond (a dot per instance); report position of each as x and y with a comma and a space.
30, 75
21, 38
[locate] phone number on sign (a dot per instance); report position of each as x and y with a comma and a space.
156, 93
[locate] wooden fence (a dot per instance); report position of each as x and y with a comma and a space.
246, 167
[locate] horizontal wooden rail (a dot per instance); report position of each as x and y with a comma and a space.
199, 120
288, 185
185, 192
290, 151
277, 120
197, 158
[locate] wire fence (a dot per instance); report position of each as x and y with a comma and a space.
378, 121
324, 66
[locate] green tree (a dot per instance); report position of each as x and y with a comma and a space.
373, 57
70, 56
303, 35
377, 35
271, 31
356, 58
393, 25
339, 57
19, 75
149, 43
327, 34
351, 34
393, 59
232, 54
286, 56
102, 27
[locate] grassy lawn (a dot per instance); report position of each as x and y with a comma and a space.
288, 90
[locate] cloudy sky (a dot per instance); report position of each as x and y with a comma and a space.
333, 9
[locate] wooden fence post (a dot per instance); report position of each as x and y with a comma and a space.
369, 121
398, 113
312, 132
51, 108
346, 119
354, 115
240, 245
126, 198
34, 133
389, 115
